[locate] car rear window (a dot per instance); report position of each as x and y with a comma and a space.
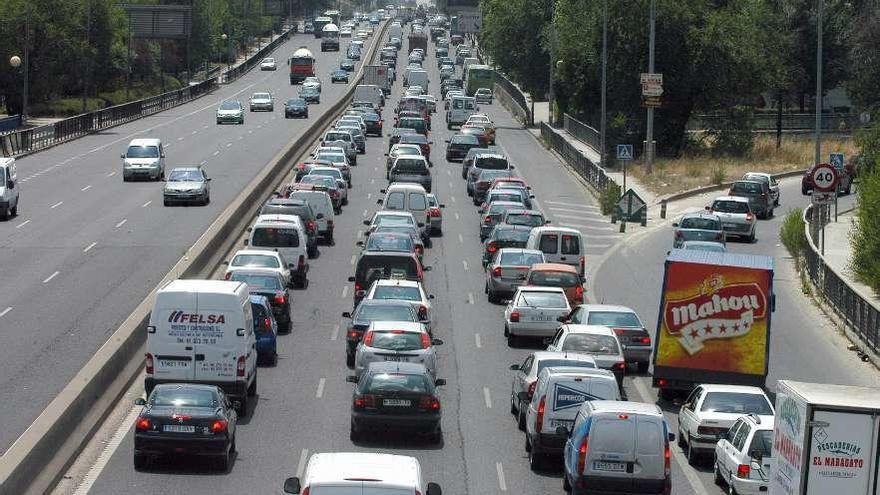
613, 435
413, 139
259, 282
373, 312
746, 187
548, 363
417, 202
464, 139
512, 235
394, 219
257, 260
731, 206
408, 166
491, 163
395, 201
393, 292
275, 237
548, 243
554, 279
378, 267
542, 299
504, 196
389, 242
183, 397
394, 382
520, 259
527, 220
736, 403
593, 344
762, 442
397, 340
700, 223
571, 244
613, 319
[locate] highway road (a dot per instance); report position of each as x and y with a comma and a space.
86, 247
304, 402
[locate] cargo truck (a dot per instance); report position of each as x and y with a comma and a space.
302, 65
714, 321
825, 440
330, 38
377, 75
417, 40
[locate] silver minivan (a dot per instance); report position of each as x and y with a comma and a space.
617, 447
144, 158
8, 188
559, 245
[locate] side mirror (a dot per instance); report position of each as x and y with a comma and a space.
291, 485
562, 431
531, 196
246, 242
445, 140
707, 208
379, 201
367, 223
433, 488
546, 222
439, 382
122, 156
359, 243
514, 367
351, 379
225, 262
420, 224
675, 224
384, 154
346, 314
351, 279
427, 269
671, 437
523, 396
436, 342
319, 216
140, 402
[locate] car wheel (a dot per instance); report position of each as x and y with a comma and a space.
492, 297
140, 462
513, 406
849, 188
166, 202
805, 191
642, 366
691, 453
521, 417
224, 462
252, 389
242, 408
353, 434
680, 439
349, 360
536, 460
566, 485
751, 237
718, 479
14, 210
274, 361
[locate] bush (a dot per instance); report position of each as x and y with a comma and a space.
718, 174
733, 133
791, 233
865, 235
609, 198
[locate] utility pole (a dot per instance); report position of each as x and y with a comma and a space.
649, 137
88, 60
602, 127
818, 157
551, 95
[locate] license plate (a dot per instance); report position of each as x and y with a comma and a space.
179, 428
397, 402
614, 467
395, 358
171, 363
556, 423
541, 318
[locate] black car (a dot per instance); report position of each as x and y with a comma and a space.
310, 95
296, 107
396, 133
347, 64
375, 265
396, 396
300, 208
505, 236
369, 311
459, 146
373, 121
187, 419
339, 75
271, 285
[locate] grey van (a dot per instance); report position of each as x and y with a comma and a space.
8, 188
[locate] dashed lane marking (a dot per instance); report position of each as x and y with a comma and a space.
470, 297
86, 188
502, 485
477, 342
22, 224
344, 291
303, 457
146, 204
5, 311
487, 398
353, 259
460, 238
320, 391
89, 247
335, 334
50, 277
121, 223
456, 216
56, 205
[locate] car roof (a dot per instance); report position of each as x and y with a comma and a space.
397, 367
405, 186
568, 355
394, 213
540, 288
145, 142
700, 214
388, 282
405, 326
619, 406
327, 468
519, 250
589, 329
556, 267
190, 386
743, 389
263, 252
575, 371
186, 169
605, 307
523, 211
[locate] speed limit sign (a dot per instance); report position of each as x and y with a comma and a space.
825, 178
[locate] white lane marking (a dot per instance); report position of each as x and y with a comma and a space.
364, 214
320, 391
501, 484
303, 457
452, 198
111, 174
360, 234
598, 246
195, 132
121, 223
5, 311
251, 131
22, 224
372, 181
181, 138
582, 216
369, 195
344, 291
464, 263
146, 204
105, 456
470, 297
601, 236
335, 334
456, 216
228, 145
240, 138
460, 239
487, 398
216, 153
477, 342
86, 188
50, 277
353, 259
449, 173
451, 185
56, 205
375, 169
89, 247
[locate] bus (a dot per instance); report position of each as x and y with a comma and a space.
333, 15
319, 24
478, 76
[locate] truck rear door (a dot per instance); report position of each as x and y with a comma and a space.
217, 348
171, 340
843, 447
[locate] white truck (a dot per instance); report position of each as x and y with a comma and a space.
825, 440
395, 31
377, 75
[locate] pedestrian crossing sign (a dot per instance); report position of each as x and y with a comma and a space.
624, 152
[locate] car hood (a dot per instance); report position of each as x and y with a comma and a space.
184, 186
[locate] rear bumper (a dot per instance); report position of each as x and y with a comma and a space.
749, 487
547, 444
532, 330
161, 444
637, 354
606, 485
416, 423
503, 288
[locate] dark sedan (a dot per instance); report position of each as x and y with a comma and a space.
187, 419
504, 236
373, 121
310, 94
459, 146
369, 311
296, 107
269, 284
339, 75
347, 64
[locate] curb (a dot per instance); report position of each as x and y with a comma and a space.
39, 457
724, 185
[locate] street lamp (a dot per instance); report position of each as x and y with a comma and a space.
15, 62
224, 37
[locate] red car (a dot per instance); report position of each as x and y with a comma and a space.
844, 187
478, 131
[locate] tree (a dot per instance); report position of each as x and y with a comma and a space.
864, 58
514, 34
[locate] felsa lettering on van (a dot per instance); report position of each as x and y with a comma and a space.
198, 318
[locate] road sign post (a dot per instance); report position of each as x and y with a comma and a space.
837, 160
624, 154
825, 183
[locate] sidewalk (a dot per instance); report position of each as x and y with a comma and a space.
838, 254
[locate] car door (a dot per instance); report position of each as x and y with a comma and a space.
556, 341
727, 459
520, 377
737, 447
687, 418
548, 243
170, 337
219, 347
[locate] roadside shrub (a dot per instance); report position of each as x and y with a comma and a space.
865, 236
733, 133
608, 199
718, 174
791, 233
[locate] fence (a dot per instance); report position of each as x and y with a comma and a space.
861, 316
241, 69
791, 122
517, 96
592, 173
581, 131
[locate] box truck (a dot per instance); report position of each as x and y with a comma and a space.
825, 440
714, 321
377, 75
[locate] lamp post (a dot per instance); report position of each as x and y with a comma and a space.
649, 138
15, 61
224, 37
818, 137
602, 126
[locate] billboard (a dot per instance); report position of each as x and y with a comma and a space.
159, 21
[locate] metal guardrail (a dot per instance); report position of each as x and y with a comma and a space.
516, 95
766, 121
591, 172
861, 316
581, 131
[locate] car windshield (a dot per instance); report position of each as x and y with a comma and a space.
262, 96
763, 443
593, 344
731, 206
183, 397
184, 176
736, 403
554, 279
529, 220
520, 259
269, 60
258, 281
375, 312
379, 267
395, 292
715, 247
700, 223
491, 163
256, 260
229, 105
395, 382
296, 102
613, 319
746, 187
407, 150
396, 340
464, 139
328, 172
273, 237
321, 180
389, 242
573, 363
541, 299
142, 152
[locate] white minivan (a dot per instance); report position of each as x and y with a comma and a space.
408, 197
285, 234
361, 473
558, 395
202, 331
559, 245
144, 158
8, 188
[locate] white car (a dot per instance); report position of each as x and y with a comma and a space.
769, 179
534, 312
345, 32
390, 217
312, 82
348, 472
362, 34
404, 290
525, 377
258, 259
268, 63
398, 341
709, 412
743, 456
262, 101
597, 341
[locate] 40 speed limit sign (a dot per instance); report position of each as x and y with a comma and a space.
825, 178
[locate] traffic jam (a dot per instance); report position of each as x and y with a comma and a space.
208, 339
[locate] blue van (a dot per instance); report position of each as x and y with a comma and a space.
265, 329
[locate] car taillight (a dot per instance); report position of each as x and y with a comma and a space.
241, 366
743, 471
312, 225
492, 247
679, 234
219, 426
429, 402
621, 366
496, 272
749, 217
662, 382
579, 291
645, 340
423, 311
143, 424
363, 401
280, 298
228, 275
582, 455
368, 339
301, 263
426, 341
667, 460
488, 219
434, 212
539, 419
514, 316
358, 287
149, 364
532, 388
334, 193
267, 322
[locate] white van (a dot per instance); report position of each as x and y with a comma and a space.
371, 93
144, 158
322, 205
287, 235
202, 331
558, 395
618, 447
559, 245
8, 188
417, 77
460, 108
361, 473
408, 197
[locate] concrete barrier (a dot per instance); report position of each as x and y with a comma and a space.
39, 457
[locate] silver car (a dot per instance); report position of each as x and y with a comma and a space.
230, 111
737, 218
493, 214
534, 312
187, 185
262, 102
435, 214
526, 374
399, 341
410, 291
508, 271
357, 133
769, 179
699, 226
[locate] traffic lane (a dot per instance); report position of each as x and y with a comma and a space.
49, 233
